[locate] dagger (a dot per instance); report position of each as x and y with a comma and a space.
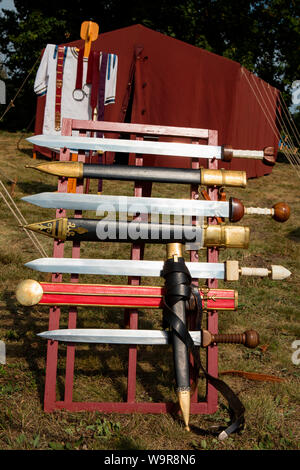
229, 270
203, 338
203, 176
230, 236
174, 149
233, 209
30, 292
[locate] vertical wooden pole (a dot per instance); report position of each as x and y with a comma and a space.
54, 313
137, 252
72, 321
212, 320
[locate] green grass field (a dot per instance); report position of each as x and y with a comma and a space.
270, 307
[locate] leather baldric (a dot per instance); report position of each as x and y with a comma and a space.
179, 288
79, 72
59, 84
95, 79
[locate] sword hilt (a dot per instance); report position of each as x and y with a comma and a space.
250, 338
279, 212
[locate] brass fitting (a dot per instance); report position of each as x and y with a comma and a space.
223, 178
67, 169
226, 236
174, 250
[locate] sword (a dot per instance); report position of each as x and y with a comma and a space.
104, 230
203, 176
233, 209
203, 338
228, 271
150, 147
30, 292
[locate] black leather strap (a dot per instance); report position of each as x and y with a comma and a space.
181, 273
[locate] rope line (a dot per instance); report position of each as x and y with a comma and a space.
291, 152
21, 219
11, 103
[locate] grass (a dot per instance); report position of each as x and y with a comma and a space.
270, 307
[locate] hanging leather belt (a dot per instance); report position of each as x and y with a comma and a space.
178, 287
79, 73
59, 83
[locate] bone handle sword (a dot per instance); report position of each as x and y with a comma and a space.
225, 153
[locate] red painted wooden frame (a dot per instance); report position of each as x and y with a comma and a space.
207, 406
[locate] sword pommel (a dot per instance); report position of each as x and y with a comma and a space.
236, 209
29, 292
281, 212
269, 155
227, 153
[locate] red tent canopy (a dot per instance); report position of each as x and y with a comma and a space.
165, 81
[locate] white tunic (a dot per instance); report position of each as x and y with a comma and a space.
73, 105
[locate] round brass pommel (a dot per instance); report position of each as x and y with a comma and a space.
282, 212
29, 292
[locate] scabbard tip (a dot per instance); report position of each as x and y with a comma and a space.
222, 436
184, 399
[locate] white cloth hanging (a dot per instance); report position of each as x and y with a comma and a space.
75, 105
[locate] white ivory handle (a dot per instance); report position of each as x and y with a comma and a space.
259, 210
260, 272
277, 273
256, 154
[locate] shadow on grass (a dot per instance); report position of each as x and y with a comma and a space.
25, 151
34, 187
128, 443
111, 364
22, 343
294, 235
281, 158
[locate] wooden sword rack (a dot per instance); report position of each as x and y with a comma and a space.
208, 405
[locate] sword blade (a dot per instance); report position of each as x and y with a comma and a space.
117, 267
127, 146
114, 336
128, 204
